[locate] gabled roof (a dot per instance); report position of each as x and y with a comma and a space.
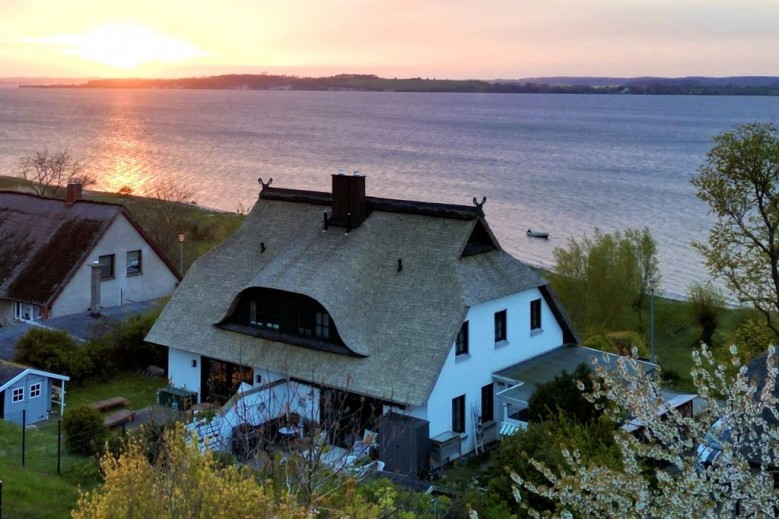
44, 241
10, 373
401, 322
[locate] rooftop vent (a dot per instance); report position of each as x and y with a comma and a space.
72, 194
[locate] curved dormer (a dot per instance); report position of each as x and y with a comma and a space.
283, 316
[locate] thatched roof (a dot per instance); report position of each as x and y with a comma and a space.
401, 324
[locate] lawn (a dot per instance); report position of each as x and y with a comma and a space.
35, 489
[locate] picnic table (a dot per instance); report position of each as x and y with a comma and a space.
110, 403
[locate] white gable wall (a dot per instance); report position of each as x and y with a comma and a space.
155, 280
467, 374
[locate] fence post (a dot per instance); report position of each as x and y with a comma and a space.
1, 499
24, 433
59, 446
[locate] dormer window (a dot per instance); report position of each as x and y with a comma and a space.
284, 317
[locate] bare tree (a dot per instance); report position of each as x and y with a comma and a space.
47, 172
164, 215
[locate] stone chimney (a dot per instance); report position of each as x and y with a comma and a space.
94, 302
349, 206
72, 194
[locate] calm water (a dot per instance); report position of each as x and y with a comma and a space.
565, 164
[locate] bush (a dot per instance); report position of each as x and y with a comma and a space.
706, 305
620, 342
562, 395
84, 430
53, 351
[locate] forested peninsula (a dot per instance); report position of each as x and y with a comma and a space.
740, 85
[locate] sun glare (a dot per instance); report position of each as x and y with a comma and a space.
123, 46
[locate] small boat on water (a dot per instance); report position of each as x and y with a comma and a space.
537, 234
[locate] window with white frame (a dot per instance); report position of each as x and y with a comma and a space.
134, 262
35, 390
17, 395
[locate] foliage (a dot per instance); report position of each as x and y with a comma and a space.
753, 337
619, 342
542, 442
46, 173
124, 347
180, 481
54, 351
740, 183
706, 305
602, 280
739, 482
84, 430
561, 395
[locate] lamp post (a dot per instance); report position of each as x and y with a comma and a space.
652, 286
181, 254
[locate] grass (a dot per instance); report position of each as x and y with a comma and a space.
138, 389
36, 490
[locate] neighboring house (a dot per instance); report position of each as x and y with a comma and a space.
60, 257
26, 393
367, 306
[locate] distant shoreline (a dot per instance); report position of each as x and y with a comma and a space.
733, 86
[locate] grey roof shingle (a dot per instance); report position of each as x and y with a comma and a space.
403, 323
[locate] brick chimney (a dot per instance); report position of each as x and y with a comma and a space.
349, 207
72, 194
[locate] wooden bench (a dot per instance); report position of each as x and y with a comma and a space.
119, 418
110, 403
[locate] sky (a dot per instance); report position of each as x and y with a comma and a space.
453, 39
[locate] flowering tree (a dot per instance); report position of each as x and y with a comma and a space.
660, 475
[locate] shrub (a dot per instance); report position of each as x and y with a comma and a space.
54, 351
620, 342
562, 395
84, 430
706, 305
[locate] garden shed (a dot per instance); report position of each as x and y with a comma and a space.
27, 394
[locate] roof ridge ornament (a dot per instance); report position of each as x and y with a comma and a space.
265, 184
480, 206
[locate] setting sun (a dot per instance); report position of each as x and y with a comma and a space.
123, 46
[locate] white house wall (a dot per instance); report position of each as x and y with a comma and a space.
155, 280
467, 374
184, 370
6, 312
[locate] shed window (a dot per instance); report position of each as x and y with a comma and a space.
134, 264
35, 390
106, 266
17, 395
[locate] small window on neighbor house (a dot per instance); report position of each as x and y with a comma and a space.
458, 414
106, 266
487, 403
35, 390
17, 395
461, 344
535, 314
500, 326
134, 264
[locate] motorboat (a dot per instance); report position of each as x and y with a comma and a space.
537, 234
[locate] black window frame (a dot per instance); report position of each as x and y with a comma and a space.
138, 269
535, 314
501, 321
462, 342
107, 266
488, 402
458, 414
